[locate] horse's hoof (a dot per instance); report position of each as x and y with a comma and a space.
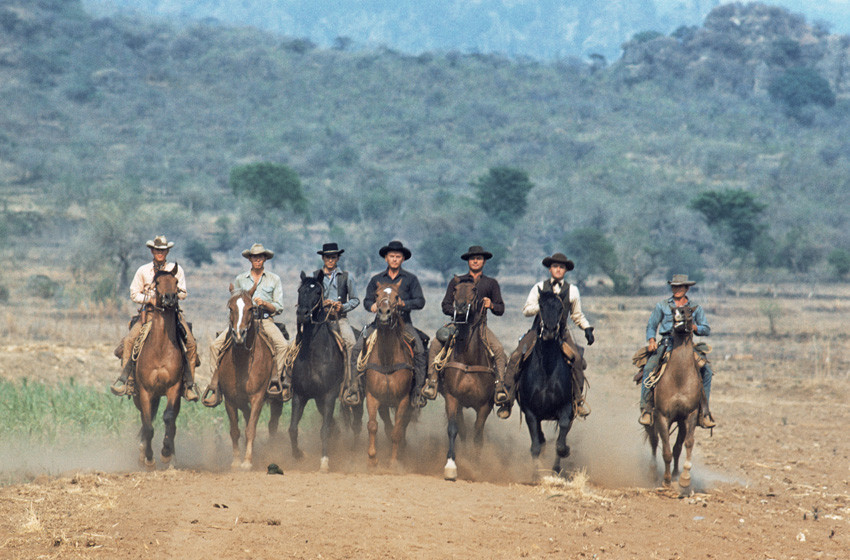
324, 465
246, 465
150, 465
450, 470
685, 480
165, 460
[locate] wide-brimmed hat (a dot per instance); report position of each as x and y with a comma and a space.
330, 249
475, 251
559, 258
680, 280
395, 246
257, 249
159, 242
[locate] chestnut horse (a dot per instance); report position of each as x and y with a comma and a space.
468, 375
244, 371
388, 372
546, 382
319, 367
677, 398
159, 368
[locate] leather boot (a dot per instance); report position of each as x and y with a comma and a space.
420, 365
122, 386
350, 390
285, 386
429, 391
705, 418
189, 392
645, 417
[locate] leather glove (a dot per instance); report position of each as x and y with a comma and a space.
588, 334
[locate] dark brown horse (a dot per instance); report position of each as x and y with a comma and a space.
388, 372
468, 375
677, 400
159, 368
244, 371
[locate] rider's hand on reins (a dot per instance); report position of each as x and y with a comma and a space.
652, 345
487, 303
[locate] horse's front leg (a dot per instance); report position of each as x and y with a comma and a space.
384, 413
402, 417
681, 432
565, 422
535, 432
450, 470
147, 411
685, 478
233, 419
663, 426
251, 429
169, 418
297, 411
372, 428
326, 405
482, 413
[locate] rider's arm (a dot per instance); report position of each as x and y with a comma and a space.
181, 282
654, 321
700, 321
138, 288
532, 302
415, 298
353, 300
576, 314
448, 303
277, 295
370, 296
498, 306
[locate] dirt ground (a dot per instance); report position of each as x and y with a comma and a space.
770, 482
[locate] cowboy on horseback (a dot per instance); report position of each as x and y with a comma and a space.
491, 298
268, 297
410, 299
558, 265
339, 297
143, 293
661, 320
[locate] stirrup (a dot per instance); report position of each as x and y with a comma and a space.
645, 418
216, 397
582, 409
286, 393
504, 411
706, 421
351, 399
119, 390
274, 388
429, 391
189, 393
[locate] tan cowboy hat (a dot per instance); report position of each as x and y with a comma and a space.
330, 249
257, 249
397, 246
680, 280
559, 258
476, 251
159, 242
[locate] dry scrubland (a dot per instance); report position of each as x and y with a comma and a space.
772, 481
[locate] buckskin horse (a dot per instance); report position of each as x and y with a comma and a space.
159, 368
245, 369
545, 389
467, 373
677, 397
388, 372
318, 369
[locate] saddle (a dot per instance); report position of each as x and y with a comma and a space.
701, 349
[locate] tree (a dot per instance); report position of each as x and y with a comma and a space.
592, 252
271, 184
839, 260
733, 214
198, 253
502, 192
800, 86
441, 252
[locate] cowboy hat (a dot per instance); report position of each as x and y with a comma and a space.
680, 280
257, 249
475, 251
396, 246
559, 258
330, 249
160, 242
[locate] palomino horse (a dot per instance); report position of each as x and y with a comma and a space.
545, 389
388, 372
244, 371
468, 375
159, 368
319, 367
677, 399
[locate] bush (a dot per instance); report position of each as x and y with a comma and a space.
42, 286
270, 184
800, 86
197, 252
839, 260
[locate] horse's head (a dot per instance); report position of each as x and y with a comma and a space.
466, 302
309, 298
165, 282
683, 319
386, 302
551, 313
241, 308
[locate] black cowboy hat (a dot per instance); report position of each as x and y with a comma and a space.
395, 246
476, 250
559, 258
680, 280
330, 249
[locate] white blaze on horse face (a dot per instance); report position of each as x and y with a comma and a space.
388, 291
240, 308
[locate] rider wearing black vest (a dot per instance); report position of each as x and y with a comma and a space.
558, 265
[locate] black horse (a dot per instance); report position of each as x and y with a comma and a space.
318, 369
545, 386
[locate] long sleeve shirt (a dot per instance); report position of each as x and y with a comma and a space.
487, 287
410, 292
269, 289
532, 303
142, 289
332, 290
661, 319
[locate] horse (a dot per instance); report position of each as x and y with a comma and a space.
545, 389
245, 368
388, 372
468, 374
159, 368
318, 370
677, 400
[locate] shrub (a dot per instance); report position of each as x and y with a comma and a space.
42, 286
197, 252
800, 86
270, 184
839, 260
